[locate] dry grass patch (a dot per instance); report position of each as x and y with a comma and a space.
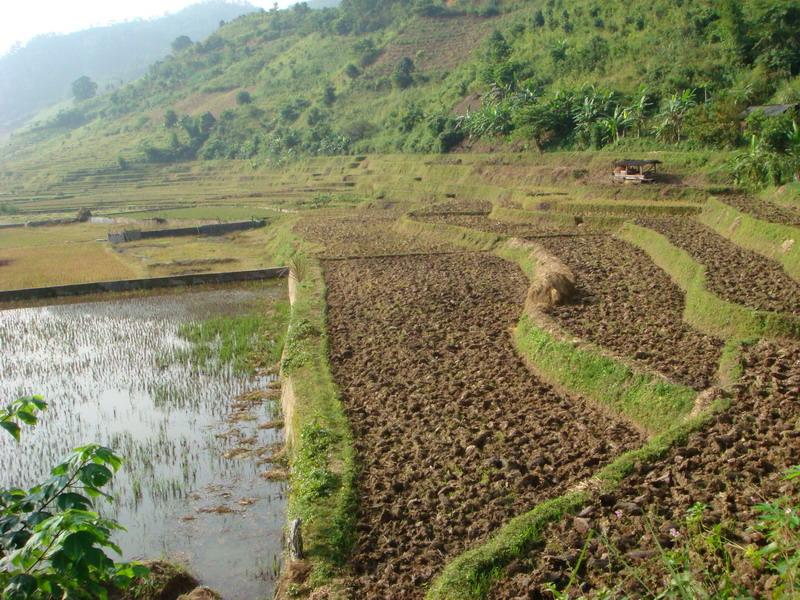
43, 266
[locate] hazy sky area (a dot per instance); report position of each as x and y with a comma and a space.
21, 20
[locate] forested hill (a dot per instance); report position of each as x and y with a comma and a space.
424, 76
40, 73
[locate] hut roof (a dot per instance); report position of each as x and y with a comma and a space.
628, 162
770, 110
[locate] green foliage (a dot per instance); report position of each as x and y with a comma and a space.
52, 544
243, 97
182, 42
246, 342
170, 118
402, 75
83, 88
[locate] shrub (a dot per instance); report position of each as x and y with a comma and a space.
243, 97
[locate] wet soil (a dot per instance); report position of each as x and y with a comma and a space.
734, 274
630, 306
363, 234
453, 434
763, 209
735, 463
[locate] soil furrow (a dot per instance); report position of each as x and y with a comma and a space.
453, 434
734, 464
484, 223
734, 274
364, 234
629, 305
763, 209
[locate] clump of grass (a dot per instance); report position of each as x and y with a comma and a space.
247, 342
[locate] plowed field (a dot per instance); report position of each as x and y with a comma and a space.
453, 434
484, 223
731, 466
628, 305
735, 274
363, 235
762, 209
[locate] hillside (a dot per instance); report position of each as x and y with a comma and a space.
40, 73
396, 76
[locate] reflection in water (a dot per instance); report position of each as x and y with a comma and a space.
115, 373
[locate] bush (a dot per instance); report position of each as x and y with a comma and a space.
402, 73
52, 543
243, 97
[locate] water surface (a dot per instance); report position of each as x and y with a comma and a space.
117, 373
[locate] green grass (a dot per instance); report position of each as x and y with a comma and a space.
704, 310
460, 236
247, 342
762, 237
650, 402
322, 491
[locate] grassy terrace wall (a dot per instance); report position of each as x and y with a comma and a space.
773, 240
704, 310
318, 437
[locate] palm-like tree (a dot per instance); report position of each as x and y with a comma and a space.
616, 123
637, 112
671, 118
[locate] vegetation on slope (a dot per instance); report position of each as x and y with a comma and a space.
408, 76
39, 73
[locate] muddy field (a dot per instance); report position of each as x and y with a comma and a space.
734, 464
628, 305
363, 235
735, 274
761, 209
453, 434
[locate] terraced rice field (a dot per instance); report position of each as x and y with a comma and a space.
730, 467
453, 434
735, 274
485, 223
629, 306
765, 210
367, 234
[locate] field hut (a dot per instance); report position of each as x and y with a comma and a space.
635, 170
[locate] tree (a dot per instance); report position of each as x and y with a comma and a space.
673, 114
402, 73
352, 71
170, 118
52, 544
243, 97
83, 88
181, 43
329, 95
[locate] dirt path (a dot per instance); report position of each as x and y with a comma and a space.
453, 435
631, 307
735, 274
737, 462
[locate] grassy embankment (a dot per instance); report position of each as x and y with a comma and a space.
775, 241
704, 310
321, 454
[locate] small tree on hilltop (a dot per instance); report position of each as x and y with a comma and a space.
83, 88
181, 43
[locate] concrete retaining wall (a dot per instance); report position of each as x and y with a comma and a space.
212, 229
125, 285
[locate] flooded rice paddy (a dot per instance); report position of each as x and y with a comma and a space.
116, 372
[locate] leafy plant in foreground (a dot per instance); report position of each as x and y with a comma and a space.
52, 544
